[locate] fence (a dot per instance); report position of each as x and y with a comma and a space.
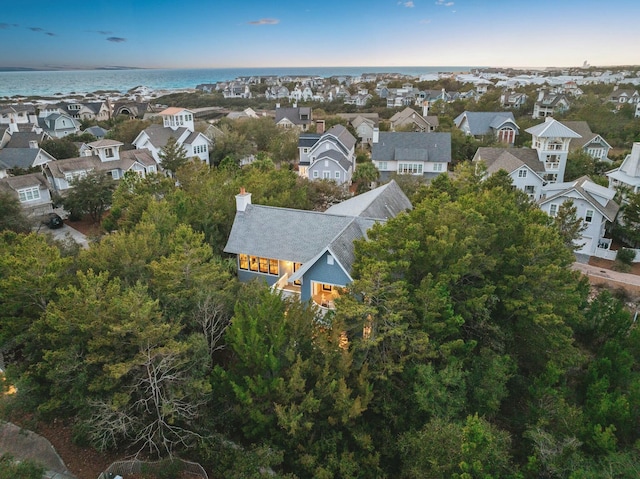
135, 466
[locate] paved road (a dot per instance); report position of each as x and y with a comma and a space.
598, 274
66, 232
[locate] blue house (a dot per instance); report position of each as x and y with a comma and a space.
307, 254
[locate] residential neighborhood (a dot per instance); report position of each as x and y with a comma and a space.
352, 276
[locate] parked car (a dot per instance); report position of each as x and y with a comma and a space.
53, 221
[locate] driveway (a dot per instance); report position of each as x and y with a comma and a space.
65, 233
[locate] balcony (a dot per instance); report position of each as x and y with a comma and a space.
288, 290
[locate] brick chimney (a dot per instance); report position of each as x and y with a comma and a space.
320, 126
242, 200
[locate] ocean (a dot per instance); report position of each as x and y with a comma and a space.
63, 83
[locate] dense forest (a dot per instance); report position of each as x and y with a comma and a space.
465, 348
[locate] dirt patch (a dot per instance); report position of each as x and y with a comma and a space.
86, 226
608, 264
82, 462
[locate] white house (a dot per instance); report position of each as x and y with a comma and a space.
32, 192
627, 175
551, 140
411, 153
179, 124
521, 164
594, 204
101, 155
329, 156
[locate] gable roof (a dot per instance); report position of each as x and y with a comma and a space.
21, 139
508, 159
18, 157
482, 122
343, 136
597, 196
304, 236
334, 155
294, 115
159, 135
15, 183
390, 144
552, 128
384, 202
581, 128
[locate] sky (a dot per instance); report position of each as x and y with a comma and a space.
70, 34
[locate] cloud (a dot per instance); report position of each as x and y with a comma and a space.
36, 29
425, 21
408, 4
50, 34
444, 3
265, 21
5, 26
104, 32
116, 39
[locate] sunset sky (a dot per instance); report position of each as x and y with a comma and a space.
283, 33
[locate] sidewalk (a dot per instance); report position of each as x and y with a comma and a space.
598, 275
23, 444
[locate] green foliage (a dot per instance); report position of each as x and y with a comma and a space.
30, 272
12, 216
291, 382
579, 163
91, 195
625, 256
12, 469
60, 148
365, 174
569, 225
172, 156
126, 130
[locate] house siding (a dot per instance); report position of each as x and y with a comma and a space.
322, 272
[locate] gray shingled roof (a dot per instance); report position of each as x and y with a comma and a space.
437, 145
104, 143
21, 139
307, 140
508, 159
336, 156
482, 122
343, 136
159, 135
18, 157
581, 128
283, 233
293, 115
127, 158
16, 183
384, 202
609, 211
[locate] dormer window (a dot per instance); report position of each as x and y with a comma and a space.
108, 152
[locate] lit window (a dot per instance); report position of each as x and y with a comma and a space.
243, 261
253, 263
273, 266
264, 265
296, 267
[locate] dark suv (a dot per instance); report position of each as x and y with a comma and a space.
53, 221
